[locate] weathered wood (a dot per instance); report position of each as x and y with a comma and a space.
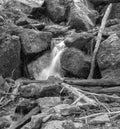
26, 118
94, 82
104, 1
99, 37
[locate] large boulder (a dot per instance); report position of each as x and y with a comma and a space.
109, 57
55, 10
81, 16
75, 63
80, 41
10, 56
35, 67
35, 41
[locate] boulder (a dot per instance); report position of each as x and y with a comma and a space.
35, 41
55, 10
10, 56
64, 124
56, 30
108, 57
35, 67
81, 41
75, 63
81, 16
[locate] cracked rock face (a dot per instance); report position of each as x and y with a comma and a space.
35, 41
109, 57
75, 63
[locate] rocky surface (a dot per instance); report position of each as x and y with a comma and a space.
57, 38
36, 67
34, 41
10, 56
108, 57
75, 63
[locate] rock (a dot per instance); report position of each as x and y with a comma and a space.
75, 63
64, 124
47, 102
80, 41
4, 123
55, 10
35, 41
35, 67
56, 30
100, 119
25, 20
10, 56
109, 57
27, 126
81, 16
25, 107
34, 90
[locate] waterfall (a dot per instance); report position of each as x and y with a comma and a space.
54, 68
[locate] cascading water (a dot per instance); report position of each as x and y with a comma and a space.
54, 68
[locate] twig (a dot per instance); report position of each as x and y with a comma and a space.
102, 104
97, 114
99, 37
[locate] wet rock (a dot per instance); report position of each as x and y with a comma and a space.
55, 10
25, 107
35, 68
80, 41
109, 57
81, 16
75, 63
64, 124
10, 56
47, 102
35, 41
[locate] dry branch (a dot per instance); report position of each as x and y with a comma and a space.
23, 121
99, 37
77, 93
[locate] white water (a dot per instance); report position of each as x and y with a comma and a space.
54, 68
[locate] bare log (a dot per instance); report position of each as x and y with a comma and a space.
99, 37
26, 118
94, 82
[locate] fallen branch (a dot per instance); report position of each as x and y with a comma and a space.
99, 37
94, 82
77, 93
26, 118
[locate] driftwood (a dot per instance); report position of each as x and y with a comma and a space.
94, 82
78, 94
26, 118
99, 37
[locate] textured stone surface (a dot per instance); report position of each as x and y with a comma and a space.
36, 67
10, 56
109, 57
75, 63
55, 10
80, 41
35, 41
